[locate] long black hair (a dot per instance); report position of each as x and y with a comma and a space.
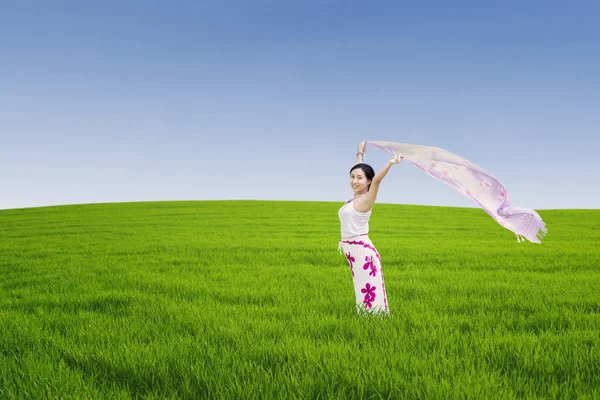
367, 169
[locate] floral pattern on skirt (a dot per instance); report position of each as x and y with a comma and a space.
367, 274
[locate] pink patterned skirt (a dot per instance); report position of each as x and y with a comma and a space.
367, 274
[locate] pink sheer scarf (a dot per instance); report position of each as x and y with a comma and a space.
472, 181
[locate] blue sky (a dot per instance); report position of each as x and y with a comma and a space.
112, 101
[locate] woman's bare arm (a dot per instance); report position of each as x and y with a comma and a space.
366, 202
360, 156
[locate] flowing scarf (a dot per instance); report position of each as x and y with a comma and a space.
472, 181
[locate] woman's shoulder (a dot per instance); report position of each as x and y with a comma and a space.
361, 205
361, 212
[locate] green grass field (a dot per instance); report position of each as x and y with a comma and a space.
250, 299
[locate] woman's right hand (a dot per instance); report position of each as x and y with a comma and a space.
361, 147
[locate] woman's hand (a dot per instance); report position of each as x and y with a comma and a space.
361, 153
396, 159
361, 147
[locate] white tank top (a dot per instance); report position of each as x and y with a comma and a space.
353, 223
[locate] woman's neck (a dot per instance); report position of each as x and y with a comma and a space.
356, 196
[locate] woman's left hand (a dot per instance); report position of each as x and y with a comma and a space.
397, 159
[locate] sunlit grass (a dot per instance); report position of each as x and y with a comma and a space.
235, 299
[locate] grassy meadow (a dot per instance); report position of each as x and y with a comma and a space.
250, 299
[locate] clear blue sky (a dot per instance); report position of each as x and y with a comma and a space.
111, 101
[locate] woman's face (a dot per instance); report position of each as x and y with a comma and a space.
358, 181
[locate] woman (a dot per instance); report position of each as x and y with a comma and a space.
364, 260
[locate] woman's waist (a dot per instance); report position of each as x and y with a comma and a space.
362, 236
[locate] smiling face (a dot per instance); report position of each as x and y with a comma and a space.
358, 181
